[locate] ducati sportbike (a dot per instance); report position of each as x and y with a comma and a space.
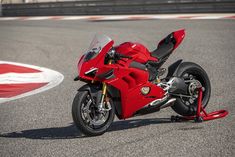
127, 80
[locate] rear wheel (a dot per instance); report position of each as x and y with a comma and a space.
191, 72
87, 117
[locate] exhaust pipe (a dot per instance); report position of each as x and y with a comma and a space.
168, 103
150, 109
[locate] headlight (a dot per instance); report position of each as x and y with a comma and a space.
92, 54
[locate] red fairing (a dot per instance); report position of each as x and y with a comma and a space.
97, 62
131, 98
179, 36
130, 76
136, 50
80, 62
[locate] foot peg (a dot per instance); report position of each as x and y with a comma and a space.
161, 71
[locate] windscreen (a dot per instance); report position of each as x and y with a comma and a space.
97, 44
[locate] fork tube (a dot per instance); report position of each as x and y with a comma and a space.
104, 90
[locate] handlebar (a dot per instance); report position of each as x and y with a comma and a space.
122, 56
117, 56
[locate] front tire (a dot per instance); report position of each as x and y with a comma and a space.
189, 71
86, 117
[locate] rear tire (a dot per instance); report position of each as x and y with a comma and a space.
181, 106
82, 124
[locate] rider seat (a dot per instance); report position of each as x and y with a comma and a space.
164, 48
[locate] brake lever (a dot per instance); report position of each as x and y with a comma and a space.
123, 56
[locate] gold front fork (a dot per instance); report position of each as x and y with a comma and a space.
104, 90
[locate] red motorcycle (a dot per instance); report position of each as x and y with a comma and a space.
127, 80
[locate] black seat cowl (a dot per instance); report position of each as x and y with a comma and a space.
165, 47
163, 51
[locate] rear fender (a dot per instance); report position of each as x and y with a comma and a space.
172, 69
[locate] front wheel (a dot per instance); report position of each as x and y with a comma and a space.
187, 106
87, 117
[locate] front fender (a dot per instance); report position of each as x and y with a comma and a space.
94, 90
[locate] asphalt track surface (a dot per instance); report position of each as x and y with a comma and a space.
41, 125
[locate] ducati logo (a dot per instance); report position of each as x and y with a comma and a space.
145, 90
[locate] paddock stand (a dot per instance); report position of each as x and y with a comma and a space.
201, 114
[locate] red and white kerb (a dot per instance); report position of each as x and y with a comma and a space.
18, 80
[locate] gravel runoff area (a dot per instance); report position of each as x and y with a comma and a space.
41, 125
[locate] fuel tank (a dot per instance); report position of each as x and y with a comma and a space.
136, 50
